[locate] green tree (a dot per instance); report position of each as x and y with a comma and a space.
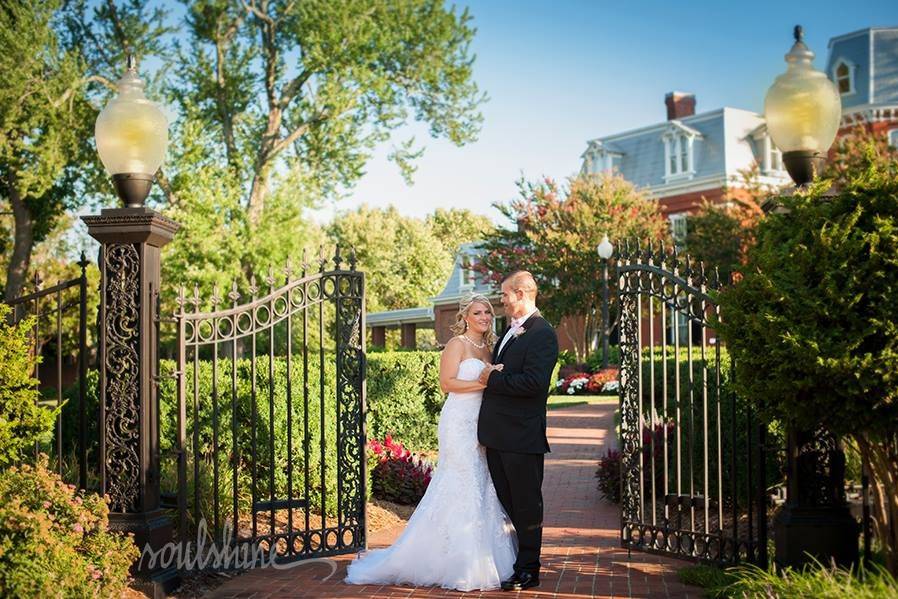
812, 326
554, 235
720, 233
855, 149
458, 225
44, 124
313, 86
405, 263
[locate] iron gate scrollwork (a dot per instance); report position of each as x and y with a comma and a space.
693, 466
270, 409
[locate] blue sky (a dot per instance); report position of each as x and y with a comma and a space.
559, 73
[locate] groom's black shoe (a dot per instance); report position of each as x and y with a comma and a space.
520, 581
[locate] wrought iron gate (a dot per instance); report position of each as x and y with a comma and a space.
693, 463
73, 450
268, 414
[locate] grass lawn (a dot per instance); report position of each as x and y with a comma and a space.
566, 401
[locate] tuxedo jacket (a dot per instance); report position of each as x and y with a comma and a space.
513, 410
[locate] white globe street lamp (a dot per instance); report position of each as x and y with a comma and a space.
803, 110
132, 135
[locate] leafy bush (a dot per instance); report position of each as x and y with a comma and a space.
54, 540
403, 400
22, 421
404, 397
732, 425
609, 470
594, 360
818, 581
608, 474
398, 476
813, 327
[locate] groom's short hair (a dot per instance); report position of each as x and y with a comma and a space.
523, 280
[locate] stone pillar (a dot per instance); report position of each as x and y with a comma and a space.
408, 336
130, 245
379, 336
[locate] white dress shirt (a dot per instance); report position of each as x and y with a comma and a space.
513, 326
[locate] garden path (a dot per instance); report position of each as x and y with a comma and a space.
581, 554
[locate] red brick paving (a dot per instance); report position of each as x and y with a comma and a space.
581, 557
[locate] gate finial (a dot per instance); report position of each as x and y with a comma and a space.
338, 260
352, 258
287, 270
322, 261
305, 262
216, 297
234, 295
253, 288
270, 279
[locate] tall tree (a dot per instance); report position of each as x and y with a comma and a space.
312, 86
43, 123
554, 234
458, 225
721, 233
58, 66
405, 262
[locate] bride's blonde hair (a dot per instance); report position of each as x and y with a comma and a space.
461, 324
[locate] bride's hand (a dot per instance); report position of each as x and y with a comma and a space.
497, 366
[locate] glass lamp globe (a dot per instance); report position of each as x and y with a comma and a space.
132, 135
803, 110
605, 248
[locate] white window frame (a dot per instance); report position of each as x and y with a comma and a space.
679, 156
852, 88
771, 157
678, 221
892, 136
466, 273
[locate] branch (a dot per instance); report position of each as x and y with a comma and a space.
117, 24
291, 88
81, 82
297, 133
165, 185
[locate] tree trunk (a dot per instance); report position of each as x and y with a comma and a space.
882, 457
17, 269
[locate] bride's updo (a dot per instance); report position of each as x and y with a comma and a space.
464, 306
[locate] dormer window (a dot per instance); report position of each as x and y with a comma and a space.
768, 155
467, 272
599, 158
843, 75
679, 151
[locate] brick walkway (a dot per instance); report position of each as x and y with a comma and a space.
580, 555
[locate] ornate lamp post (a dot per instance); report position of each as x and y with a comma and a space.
803, 112
605, 250
131, 136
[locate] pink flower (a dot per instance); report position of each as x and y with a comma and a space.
77, 527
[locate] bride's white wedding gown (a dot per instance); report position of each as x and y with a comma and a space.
459, 536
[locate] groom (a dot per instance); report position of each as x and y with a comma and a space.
512, 423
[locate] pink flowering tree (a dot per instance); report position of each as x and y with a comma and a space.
554, 232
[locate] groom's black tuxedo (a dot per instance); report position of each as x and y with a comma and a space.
513, 411
512, 427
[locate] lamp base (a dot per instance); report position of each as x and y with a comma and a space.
132, 188
804, 165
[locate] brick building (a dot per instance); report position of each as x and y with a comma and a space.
686, 158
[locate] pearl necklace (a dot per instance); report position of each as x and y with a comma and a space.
477, 345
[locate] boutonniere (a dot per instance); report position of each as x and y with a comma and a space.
519, 332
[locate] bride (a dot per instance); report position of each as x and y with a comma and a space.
459, 537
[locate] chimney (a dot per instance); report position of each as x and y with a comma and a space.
679, 105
